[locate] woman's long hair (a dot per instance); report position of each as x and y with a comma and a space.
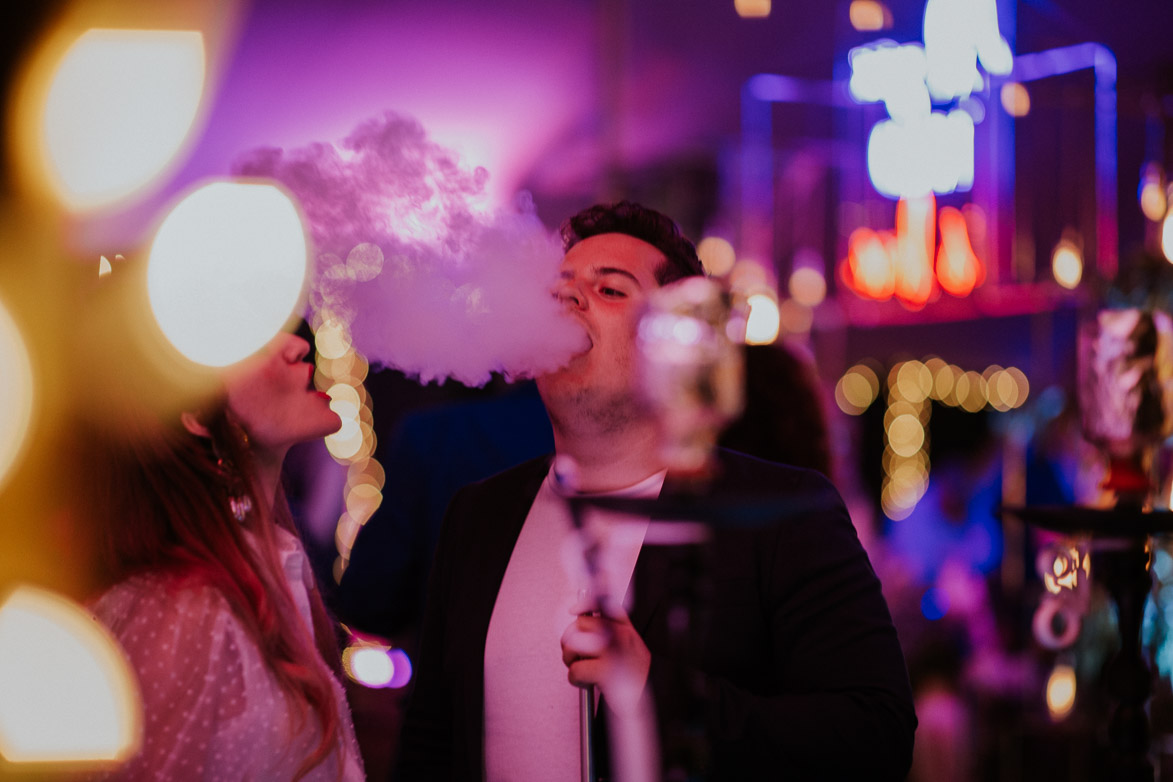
166, 500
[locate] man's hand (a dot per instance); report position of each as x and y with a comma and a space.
607, 652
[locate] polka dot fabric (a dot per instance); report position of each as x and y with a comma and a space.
212, 709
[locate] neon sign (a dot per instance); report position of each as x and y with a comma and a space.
918, 150
882, 265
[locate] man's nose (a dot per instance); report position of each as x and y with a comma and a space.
569, 293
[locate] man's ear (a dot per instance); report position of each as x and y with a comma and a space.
193, 425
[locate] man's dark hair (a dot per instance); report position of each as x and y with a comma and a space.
642, 223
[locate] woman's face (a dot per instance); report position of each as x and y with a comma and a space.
272, 396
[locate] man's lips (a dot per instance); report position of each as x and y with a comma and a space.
590, 345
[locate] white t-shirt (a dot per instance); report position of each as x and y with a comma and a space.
531, 709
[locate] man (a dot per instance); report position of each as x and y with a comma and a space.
797, 662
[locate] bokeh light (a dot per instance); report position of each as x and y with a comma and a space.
857, 389
764, 320
345, 400
899, 407
375, 665
807, 286
1061, 687
934, 604
1021, 386
1167, 236
349, 441
69, 695
906, 435
332, 339
1067, 264
752, 9
119, 106
1002, 389
403, 668
341, 371
1015, 99
796, 318
369, 665
1152, 195
16, 393
226, 270
362, 501
749, 276
912, 387
914, 381
974, 397
942, 379
717, 255
345, 534
366, 471
869, 15
363, 262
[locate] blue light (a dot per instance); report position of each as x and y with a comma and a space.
774, 88
934, 604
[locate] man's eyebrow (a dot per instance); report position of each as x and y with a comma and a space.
602, 271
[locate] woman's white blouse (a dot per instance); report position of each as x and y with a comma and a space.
212, 709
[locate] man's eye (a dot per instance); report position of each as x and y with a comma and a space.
613, 293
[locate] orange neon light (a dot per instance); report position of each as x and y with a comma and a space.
869, 270
959, 270
916, 236
883, 264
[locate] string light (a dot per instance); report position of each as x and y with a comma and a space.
340, 372
1061, 686
912, 387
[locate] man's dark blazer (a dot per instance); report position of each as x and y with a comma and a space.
797, 663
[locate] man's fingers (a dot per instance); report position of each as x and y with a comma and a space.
578, 643
585, 673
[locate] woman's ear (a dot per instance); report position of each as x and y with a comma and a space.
193, 425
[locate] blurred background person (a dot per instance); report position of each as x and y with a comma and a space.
784, 419
207, 586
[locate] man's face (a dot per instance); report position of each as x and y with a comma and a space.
604, 282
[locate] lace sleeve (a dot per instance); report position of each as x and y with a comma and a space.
192, 658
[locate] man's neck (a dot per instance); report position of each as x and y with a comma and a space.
615, 460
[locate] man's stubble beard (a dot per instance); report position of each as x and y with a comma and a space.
589, 411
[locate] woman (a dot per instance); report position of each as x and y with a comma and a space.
209, 590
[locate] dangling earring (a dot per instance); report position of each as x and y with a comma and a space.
240, 506
239, 501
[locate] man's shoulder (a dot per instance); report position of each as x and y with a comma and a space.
516, 478
741, 470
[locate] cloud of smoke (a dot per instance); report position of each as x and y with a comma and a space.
430, 281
